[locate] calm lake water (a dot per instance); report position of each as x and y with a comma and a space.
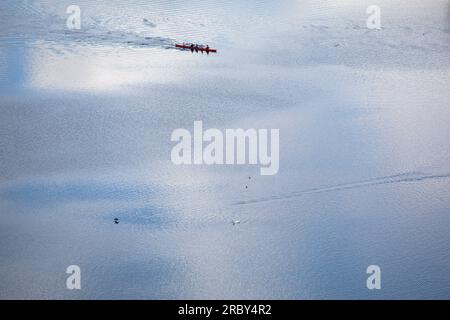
85, 126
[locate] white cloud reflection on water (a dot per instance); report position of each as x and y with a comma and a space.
103, 68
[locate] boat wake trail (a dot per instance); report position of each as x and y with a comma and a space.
28, 23
397, 178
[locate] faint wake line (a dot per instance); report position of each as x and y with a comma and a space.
398, 178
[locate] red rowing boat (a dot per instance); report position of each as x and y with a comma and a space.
195, 47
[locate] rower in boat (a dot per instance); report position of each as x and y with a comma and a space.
196, 47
